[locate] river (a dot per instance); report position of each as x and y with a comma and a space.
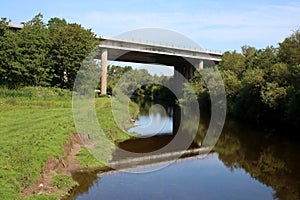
246, 163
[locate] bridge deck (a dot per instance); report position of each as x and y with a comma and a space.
118, 48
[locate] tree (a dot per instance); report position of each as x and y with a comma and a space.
10, 69
34, 44
3, 25
43, 55
71, 44
114, 73
289, 49
265, 58
233, 61
250, 54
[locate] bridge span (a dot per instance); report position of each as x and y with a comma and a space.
184, 60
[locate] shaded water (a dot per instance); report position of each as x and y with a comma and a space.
245, 164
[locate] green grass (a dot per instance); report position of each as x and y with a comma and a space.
103, 150
41, 197
35, 123
63, 183
87, 160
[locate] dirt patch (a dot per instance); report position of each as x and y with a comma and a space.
66, 164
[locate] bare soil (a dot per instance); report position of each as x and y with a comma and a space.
64, 165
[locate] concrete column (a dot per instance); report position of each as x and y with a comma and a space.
201, 65
178, 80
104, 71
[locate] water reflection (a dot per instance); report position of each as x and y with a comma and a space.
246, 164
155, 121
270, 159
206, 179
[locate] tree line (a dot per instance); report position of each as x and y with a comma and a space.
43, 54
262, 85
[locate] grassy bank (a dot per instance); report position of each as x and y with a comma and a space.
110, 129
35, 124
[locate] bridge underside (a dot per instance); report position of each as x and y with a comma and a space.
151, 58
183, 65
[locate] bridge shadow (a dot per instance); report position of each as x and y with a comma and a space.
147, 145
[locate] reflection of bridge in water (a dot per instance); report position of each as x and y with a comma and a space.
162, 158
184, 60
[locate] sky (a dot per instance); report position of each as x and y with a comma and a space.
212, 24
216, 25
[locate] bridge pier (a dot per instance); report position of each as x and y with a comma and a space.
183, 74
104, 71
187, 71
200, 65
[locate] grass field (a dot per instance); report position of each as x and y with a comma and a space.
35, 123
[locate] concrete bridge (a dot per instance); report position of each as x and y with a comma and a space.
183, 60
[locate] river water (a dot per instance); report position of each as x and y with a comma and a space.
245, 164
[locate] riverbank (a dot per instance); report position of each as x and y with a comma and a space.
39, 147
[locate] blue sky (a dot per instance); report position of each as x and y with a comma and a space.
217, 25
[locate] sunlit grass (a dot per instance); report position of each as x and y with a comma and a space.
112, 134
34, 126
35, 123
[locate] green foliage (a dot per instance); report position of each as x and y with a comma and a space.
234, 62
132, 80
262, 85
33, 46
249, 53
10, 67
138, 83
289, 51
114, 73
265, 58
232, 84
43, 54
3, 25
272, 94
71, 44
87, 78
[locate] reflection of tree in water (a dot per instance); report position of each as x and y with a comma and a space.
269, 159
145, 105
